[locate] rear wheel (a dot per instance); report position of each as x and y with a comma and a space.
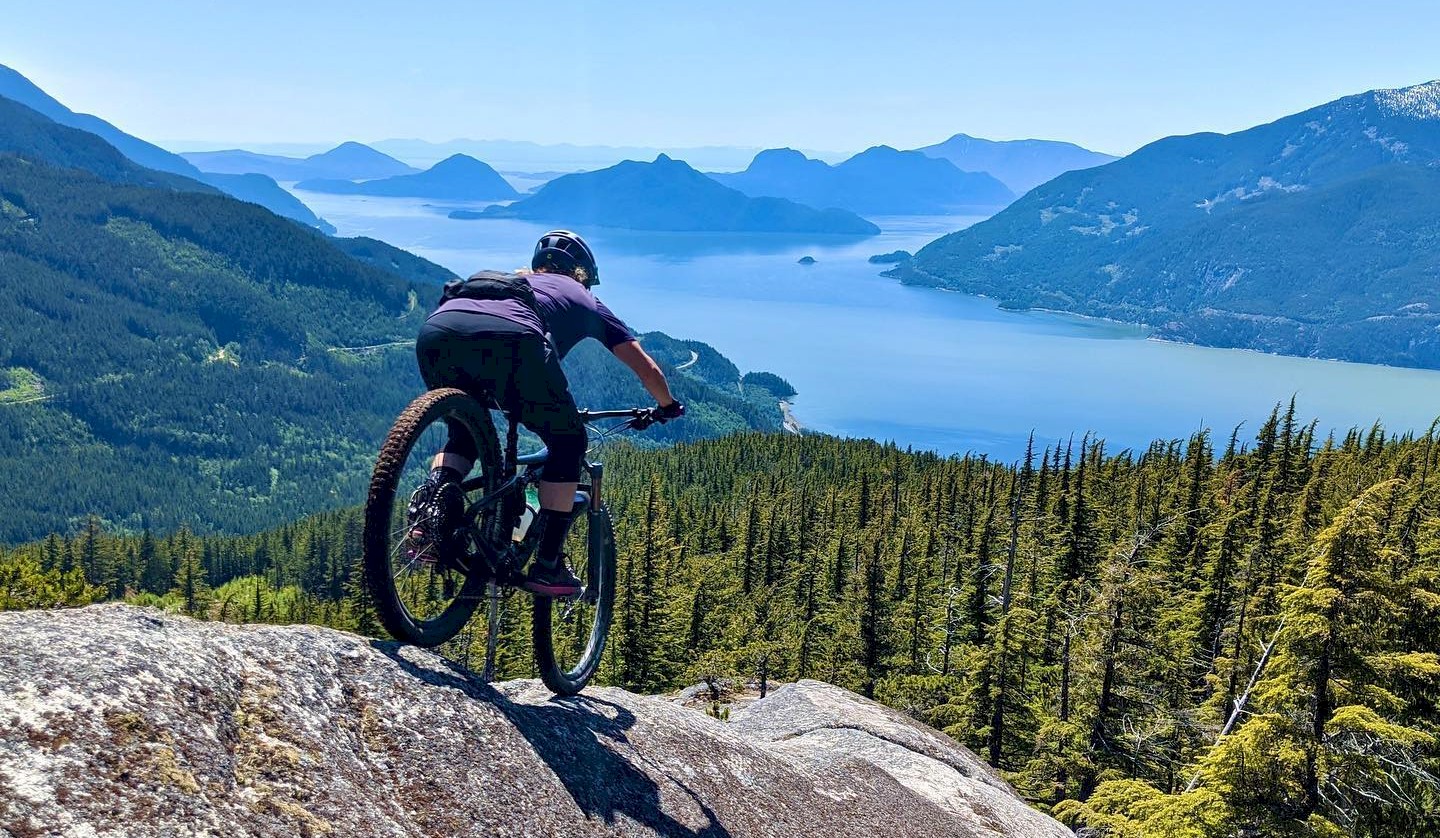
424, 595
570, 634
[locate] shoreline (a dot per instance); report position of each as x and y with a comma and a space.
1152, 331
788, 420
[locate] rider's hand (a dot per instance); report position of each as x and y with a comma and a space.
665, 412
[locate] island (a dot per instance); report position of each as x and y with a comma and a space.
456, 178
668, 195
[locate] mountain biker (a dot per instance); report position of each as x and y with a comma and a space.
509, 349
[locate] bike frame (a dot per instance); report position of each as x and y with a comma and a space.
501, 564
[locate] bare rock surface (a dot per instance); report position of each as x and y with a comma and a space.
822, 725
117, 721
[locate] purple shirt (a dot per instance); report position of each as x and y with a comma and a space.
571, 313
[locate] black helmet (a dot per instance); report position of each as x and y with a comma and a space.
565, 251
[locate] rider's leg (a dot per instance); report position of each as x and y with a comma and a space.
454, 350
457, 457
549, 410
559, 426
558, 497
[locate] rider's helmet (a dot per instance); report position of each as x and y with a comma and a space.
565, 251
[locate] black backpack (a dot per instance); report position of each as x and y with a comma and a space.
493, 285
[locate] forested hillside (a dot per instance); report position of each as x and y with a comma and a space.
1085, 618
172, 355
16, 89
1313, 235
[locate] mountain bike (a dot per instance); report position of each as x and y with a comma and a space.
427, 597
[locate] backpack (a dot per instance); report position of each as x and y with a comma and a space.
493, 285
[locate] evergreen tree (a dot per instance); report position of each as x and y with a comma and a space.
191, 585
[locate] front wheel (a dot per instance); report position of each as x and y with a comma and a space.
570, 634
422, 595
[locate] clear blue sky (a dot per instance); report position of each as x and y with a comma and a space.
813, 74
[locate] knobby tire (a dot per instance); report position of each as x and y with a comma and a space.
384, 485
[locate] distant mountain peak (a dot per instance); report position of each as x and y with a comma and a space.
1420, 101
881, 180
786, 153
1019, 164
352, 152
458, 177
457, 162
783, 160
668, 194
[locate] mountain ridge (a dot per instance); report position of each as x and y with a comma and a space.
348, 161
878, 181
669, 195
15, 86
526, 155
1307, 235
1019, 164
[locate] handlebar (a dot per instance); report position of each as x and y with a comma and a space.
637, 418
623, 413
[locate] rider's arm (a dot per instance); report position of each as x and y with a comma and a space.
645, 369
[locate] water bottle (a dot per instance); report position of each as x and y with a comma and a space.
527, 517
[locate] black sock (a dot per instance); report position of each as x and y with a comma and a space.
554, 526
445, 474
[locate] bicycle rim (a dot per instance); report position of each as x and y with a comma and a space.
570, 634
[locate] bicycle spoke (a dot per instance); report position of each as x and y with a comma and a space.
404, 568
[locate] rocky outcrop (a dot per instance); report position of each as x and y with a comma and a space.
122, 721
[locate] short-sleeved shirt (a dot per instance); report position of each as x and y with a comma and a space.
571, 313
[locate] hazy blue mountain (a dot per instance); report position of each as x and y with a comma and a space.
28, 133
669, 195
523, 156
457, 178
236, 161
357, 161
16, 87
1021, 165
878, 181
262, 190
347, 161
1311, 235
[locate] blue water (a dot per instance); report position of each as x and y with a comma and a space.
926, 368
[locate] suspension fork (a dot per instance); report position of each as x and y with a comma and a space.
597, 540
597, 471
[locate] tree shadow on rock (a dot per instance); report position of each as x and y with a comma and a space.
575, 737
